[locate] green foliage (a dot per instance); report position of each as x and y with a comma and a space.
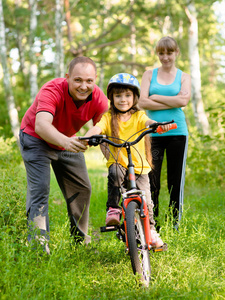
11, 215
102, 30
206, 154
206, 160
5, 128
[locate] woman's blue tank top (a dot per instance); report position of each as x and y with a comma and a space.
175, 114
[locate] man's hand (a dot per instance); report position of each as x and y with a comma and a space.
73, 144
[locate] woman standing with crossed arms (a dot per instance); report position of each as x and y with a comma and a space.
164, 91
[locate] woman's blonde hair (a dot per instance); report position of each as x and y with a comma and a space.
167, 43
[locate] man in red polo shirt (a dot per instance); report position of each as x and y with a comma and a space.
48, 137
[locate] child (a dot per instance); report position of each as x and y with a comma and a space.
122, 121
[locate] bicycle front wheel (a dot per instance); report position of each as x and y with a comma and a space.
138, 248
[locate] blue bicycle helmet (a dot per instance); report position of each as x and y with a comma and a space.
124, 79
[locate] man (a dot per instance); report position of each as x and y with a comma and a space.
47, 136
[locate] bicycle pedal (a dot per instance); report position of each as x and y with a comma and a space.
109, 228
164, 247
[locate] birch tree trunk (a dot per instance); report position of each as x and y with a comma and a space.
13, 114
59, 55
33, 65
19, 39
133, 40
198, 105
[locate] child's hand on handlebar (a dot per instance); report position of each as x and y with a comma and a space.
164, 128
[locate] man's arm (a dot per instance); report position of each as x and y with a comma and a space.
45, 129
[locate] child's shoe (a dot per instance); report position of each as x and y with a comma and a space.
156, 240
113, 216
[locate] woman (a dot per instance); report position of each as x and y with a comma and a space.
164, 91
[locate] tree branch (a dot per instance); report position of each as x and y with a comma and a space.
81, 49
102, 35
126, 63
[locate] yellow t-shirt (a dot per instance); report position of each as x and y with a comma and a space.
126, 130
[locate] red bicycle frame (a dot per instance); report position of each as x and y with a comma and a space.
144, 215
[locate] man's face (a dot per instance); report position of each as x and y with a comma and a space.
81, 81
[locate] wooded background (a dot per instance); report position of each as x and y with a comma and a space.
38, 39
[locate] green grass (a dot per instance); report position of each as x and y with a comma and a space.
192, 268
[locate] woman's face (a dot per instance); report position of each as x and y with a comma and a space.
167, 58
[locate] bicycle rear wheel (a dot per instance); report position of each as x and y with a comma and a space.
138, 249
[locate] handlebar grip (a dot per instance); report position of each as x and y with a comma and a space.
173, 126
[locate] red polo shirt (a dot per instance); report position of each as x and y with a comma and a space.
54, 98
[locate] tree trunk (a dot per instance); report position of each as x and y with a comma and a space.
19, 41
13, 114
33, 65
133, 40
198, 105
59, 55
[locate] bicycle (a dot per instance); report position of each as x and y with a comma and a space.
134, 229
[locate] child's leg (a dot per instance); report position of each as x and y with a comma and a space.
144, 185
116, 175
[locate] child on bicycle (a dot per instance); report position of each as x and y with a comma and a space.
123, 121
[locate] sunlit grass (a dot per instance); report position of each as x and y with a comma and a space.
192, 268
95, 159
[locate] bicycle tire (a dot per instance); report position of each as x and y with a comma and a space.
138, 250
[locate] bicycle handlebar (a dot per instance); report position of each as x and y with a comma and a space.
173, 126
98, 139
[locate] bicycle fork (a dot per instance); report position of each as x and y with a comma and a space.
137, 196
